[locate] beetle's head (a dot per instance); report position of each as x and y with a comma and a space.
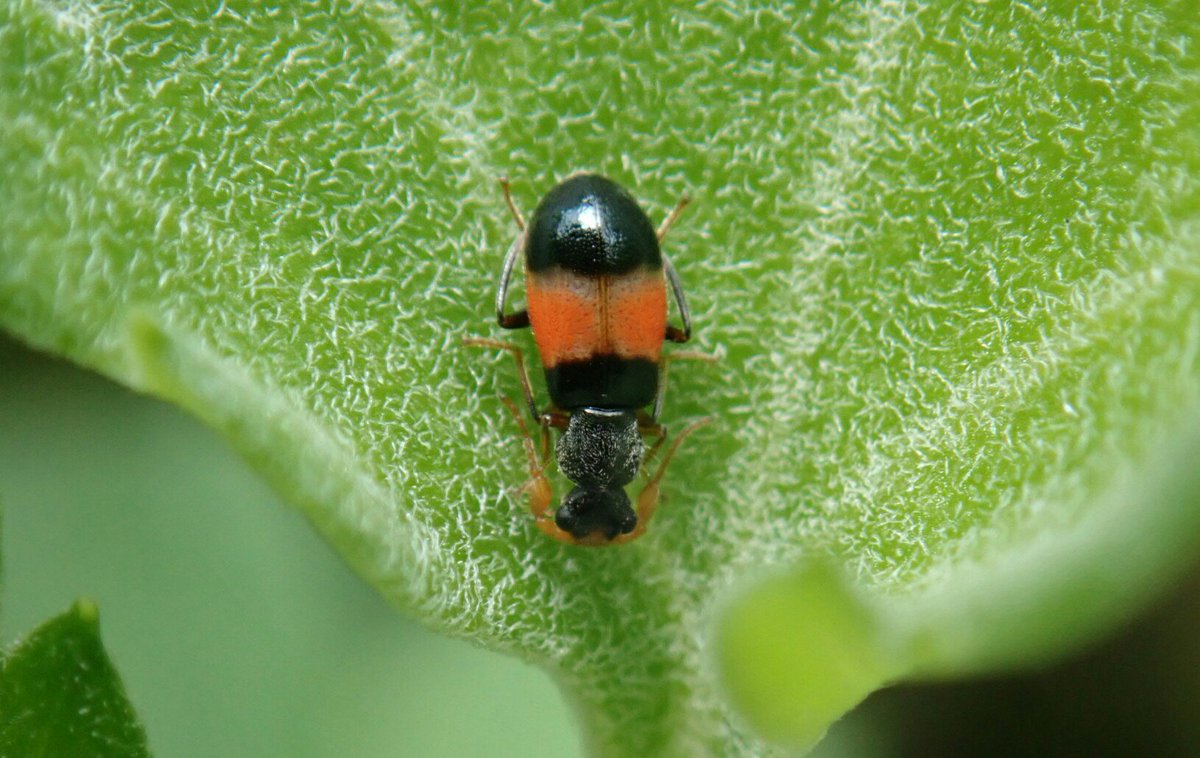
595, 516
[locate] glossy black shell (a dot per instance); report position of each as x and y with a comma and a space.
603, 381
590, 225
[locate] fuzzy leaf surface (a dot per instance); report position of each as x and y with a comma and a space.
948, 253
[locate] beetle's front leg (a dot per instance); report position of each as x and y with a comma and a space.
647, 500
541, 494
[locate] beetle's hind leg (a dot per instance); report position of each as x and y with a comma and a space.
538, 488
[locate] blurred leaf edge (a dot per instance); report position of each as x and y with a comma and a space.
1019, 606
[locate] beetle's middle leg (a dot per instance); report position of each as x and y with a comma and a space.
675, 355
519, 357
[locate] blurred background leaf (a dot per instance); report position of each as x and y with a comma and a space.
59, 693
1132, 694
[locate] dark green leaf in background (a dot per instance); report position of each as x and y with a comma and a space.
61, 696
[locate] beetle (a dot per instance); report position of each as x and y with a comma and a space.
596, 299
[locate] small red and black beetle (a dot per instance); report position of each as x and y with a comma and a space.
596, 290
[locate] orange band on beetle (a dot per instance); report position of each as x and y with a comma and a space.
575, 317
637, 314
562, 311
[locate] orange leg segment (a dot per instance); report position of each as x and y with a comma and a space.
538, 488
518, 356
541, 495
647, 500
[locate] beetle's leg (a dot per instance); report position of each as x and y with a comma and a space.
551, 417
682, 355
669, 221
648, 498
649, 426
675, 333
551, 529
538, 487
504, 187
522, 374
517, 319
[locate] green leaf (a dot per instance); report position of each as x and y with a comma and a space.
799, 649
948, 251
60, 695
